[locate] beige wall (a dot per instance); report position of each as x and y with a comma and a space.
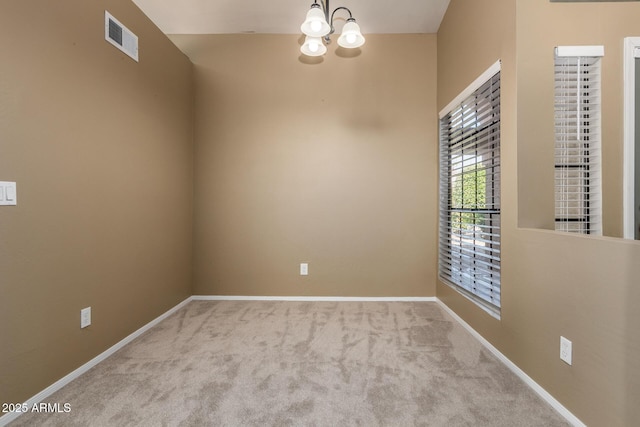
101, 149
553, 284
331, 163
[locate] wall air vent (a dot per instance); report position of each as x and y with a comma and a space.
120, 36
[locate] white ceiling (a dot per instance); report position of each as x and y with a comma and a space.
285, 16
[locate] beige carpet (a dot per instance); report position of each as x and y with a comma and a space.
236, 363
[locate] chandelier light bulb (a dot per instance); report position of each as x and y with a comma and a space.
313, 46
351, 36
316, 26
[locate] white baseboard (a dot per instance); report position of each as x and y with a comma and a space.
292, 298
7, 418
572, 419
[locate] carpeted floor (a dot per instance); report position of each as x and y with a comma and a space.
268, 363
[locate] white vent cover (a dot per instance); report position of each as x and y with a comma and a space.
120, 36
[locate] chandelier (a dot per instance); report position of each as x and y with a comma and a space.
318, 28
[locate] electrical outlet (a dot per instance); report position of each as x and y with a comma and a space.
565, 350
85, 317
304, 269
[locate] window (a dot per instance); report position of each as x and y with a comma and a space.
469, 240
578, 202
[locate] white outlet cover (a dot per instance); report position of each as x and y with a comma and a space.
85, 317
566, 350
304, 269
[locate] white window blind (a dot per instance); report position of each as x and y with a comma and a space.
578, 188
469, 237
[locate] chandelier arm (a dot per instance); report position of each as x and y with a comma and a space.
327, 38
337, 9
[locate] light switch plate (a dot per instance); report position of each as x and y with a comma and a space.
8, 193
